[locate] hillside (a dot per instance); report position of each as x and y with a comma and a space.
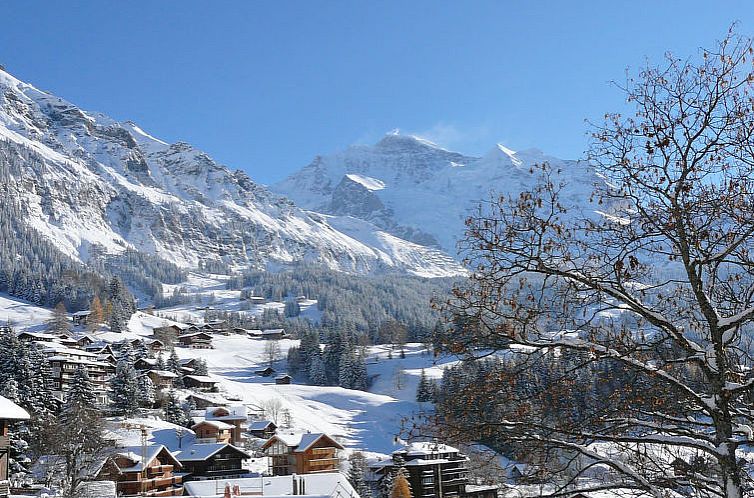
417, 190
92, 185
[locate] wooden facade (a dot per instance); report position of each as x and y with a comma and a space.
155, 477
212, 461
302, 454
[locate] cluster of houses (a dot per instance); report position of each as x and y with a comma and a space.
215, 449
210, 461
199, 336
66, 352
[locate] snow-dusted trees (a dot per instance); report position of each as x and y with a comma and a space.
656, 281
58, 322
172, 410
174, 365
122, 305
425, 390
146, 391
125, 388
76, 436
357, 466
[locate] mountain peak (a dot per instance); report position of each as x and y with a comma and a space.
394, 139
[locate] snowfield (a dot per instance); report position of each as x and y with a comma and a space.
22, 315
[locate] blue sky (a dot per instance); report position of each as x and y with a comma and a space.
265, 86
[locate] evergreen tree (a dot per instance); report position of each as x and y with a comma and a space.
80, 392
425, 389
174, 365
356, 471
160, 365
125, 388
172, 411
346, 375
146, 391
200, 367
317, 374
58, 322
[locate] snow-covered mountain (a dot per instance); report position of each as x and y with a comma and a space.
89, 182
419, 191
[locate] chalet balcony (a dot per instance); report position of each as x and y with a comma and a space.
4, 488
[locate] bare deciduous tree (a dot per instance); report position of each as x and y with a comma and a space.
655, 282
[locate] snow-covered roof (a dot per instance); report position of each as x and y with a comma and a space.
193, 334
418, 448
202, 378
316, 485
11, 411
163, 373
82, 313
273, 331
260, 425
301, 441
217, 424
134, 454
234, 412
198, 452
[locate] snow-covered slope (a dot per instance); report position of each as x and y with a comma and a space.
417, 190
92, 181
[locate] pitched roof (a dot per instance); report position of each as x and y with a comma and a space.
218, 424
11, 411
199, 452
234, 412
163, 373
201, 378
259, 425
301, 441
134, 454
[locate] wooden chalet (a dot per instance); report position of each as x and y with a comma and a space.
201, 383
145, 364
283, 379
233, 415
9, 413
302, 454
203, 461
263, 429
213, 431
196, 340
81, 317
143, 471
266, 372
162, 379
168, 334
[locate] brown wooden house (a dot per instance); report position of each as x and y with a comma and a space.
143, 471
263, 429
302, 454
196, 340
214, 431
200, 382
9, 412
212, 461
233, 415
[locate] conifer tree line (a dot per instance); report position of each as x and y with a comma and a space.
361, 303
340, 363
33, 269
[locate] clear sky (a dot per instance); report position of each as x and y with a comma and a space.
265, 86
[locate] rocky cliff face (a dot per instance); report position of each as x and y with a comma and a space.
86, 180
419, 191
